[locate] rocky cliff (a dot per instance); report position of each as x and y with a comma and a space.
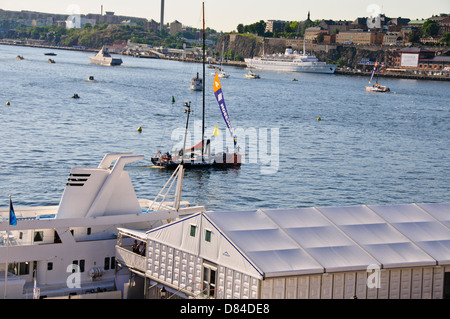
250, 46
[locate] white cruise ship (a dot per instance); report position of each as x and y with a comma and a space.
290, 62
69, 249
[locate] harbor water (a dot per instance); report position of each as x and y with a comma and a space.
320, 141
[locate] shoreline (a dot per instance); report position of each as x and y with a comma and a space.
392, 75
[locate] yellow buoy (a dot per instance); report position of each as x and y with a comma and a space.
7, 103
319, 118
139, 129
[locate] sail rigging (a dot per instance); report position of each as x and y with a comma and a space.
373, 72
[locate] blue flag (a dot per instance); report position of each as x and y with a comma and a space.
12, 216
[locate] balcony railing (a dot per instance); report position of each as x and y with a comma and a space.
130, 259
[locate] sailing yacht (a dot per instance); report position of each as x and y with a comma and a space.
200, 156
69, 248
376, 87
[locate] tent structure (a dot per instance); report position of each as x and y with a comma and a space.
326, 252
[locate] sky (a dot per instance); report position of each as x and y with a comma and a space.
225, 15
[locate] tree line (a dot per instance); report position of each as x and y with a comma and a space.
100, 34
290, 30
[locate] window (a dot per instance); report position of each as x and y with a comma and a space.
38, 236
88, 231
49, 266
19, 268
208, 236
110, 263
193, 229
56, 239
79, 263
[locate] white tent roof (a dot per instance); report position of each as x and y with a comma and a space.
285, 242
329, 239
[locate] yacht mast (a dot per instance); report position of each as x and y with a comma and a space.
203, 82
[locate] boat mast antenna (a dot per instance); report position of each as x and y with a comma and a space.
188, 111
204, 80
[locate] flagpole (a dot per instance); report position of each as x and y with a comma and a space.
7, 249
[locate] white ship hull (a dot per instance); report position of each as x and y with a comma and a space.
290, 62
291, 66
69, 249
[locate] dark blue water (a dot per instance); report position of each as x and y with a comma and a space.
367, 149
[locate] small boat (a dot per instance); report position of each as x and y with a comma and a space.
223, 74
252, 75
75, 96
19, 57
197, 83
50, 53
376, 87
104, 58
51, 61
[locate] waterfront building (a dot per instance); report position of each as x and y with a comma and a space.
444, 25
359, 37
368, 252
332, 25
392, 38
312, 33
420, 60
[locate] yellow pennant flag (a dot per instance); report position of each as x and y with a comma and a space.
216, 131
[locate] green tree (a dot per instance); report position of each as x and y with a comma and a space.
256, 28
320, 38
240, 28
414, 37
430, 28
446, 38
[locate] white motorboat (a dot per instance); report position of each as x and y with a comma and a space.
104, 58
251, 75
70, 248
222, 74
290, 62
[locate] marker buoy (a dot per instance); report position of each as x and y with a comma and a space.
139, 129
173, 99
319, 118
7, 103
